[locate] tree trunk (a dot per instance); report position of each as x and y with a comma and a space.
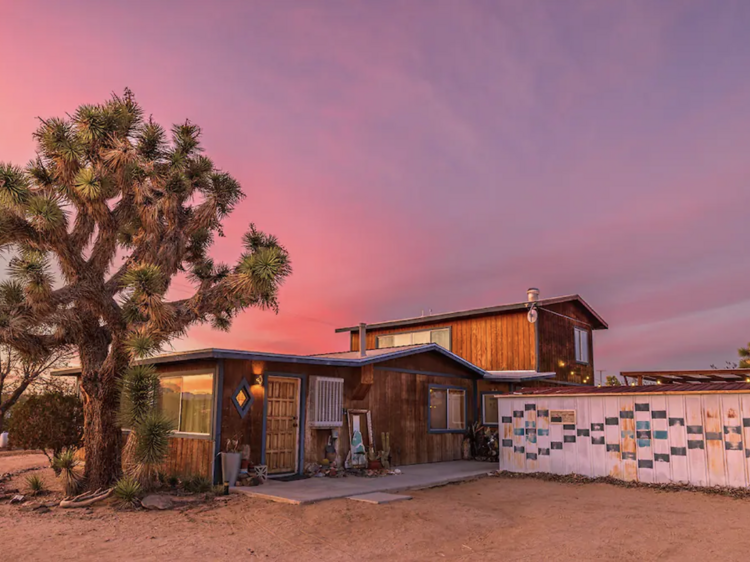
102, 436
102, 365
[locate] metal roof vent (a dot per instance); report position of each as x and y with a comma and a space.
532, 294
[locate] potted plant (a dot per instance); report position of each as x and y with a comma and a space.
230, 462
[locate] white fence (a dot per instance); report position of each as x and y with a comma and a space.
698, 438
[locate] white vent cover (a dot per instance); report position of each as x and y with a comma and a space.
327, 402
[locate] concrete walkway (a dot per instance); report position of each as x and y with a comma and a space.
413, 477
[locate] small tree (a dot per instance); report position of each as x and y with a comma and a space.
612, 380
744, 357
122, 207
51, 422
19, 373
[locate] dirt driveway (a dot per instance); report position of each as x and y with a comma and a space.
488, 519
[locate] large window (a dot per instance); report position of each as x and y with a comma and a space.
440, 336
187, 401
489, 408
582, 345
447, 409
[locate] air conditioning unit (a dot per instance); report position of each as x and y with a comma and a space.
327, 396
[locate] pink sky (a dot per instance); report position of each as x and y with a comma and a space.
443, 155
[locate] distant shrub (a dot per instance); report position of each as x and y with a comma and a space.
51, 422
197, 484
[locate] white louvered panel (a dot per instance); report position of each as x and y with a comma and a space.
328, 402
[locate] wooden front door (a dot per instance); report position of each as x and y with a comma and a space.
282, 425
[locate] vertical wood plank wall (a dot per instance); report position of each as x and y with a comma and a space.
189, 456
397, 400
698, 438
557, 350
503, 342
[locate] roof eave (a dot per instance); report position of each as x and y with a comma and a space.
602, 325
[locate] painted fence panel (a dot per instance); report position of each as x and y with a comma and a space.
660, 439
677, 437
695, 438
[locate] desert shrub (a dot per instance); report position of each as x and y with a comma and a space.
197, 484
128, 491
35, 484
66, 465
51, 422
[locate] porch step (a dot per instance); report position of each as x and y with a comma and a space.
379, 497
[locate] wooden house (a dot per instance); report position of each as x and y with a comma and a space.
289, 408
423, 381
537, 342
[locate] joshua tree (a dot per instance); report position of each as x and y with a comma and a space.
121, 209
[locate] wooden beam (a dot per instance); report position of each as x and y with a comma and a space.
366, 380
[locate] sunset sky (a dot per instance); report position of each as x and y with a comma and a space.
442, 155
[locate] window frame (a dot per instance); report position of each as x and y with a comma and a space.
447, 388
577, 341
450, 336
482, 394
211, 428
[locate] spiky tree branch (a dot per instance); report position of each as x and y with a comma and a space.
108, 185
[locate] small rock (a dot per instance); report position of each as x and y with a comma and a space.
18, 499
157, 502
223, 498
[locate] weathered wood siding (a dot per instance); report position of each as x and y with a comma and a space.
188, 456
502, 342
557, 351
397, 401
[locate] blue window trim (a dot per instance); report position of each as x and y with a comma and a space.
429, 412
481, 406
302, 408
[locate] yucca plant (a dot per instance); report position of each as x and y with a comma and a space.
66, 464
121, 206
197, 484
35, 484
151, 447
127, 491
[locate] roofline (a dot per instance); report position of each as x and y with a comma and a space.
214, 353
571, 395
479, 312
517, 376
689, 372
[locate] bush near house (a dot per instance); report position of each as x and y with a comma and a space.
51, 422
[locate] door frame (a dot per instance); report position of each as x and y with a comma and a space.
301, 426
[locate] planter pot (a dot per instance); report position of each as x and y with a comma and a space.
374, 465
230, 467
3, 440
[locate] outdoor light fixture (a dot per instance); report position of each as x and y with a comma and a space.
259, 380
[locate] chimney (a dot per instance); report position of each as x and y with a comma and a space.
362, 339
532, 294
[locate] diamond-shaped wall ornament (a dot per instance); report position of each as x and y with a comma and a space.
242, 398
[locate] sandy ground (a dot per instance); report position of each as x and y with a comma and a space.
487, 519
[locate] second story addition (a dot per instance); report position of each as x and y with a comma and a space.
501, 338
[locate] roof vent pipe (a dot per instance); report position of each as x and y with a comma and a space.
362, 339
532, 294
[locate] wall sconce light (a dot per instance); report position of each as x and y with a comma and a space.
259, 380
